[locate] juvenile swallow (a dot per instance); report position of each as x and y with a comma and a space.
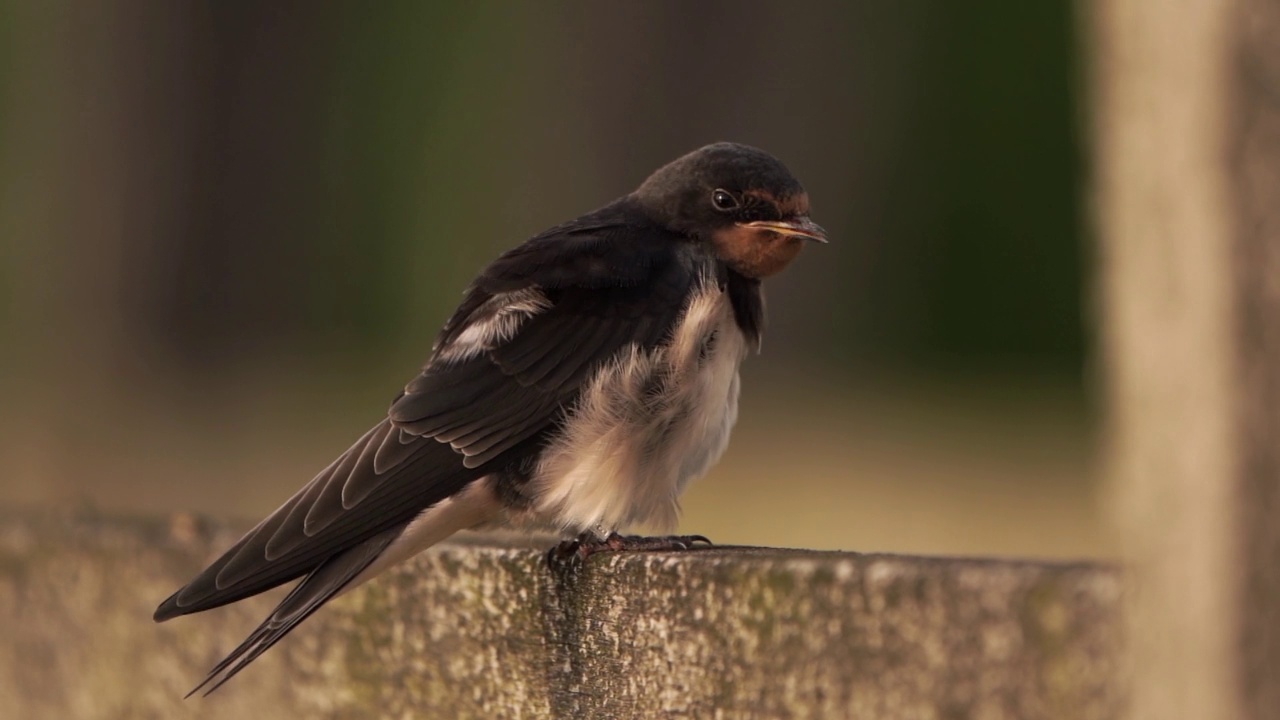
587, 377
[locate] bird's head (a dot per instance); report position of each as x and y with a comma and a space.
741, 200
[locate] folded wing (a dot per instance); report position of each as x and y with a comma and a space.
528, 335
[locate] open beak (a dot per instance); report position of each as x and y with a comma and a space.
801, 227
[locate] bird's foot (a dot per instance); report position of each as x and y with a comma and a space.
588, 544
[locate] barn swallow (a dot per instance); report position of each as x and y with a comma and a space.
587, 377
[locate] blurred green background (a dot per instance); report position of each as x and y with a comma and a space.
230, 231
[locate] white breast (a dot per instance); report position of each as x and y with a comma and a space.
646, 425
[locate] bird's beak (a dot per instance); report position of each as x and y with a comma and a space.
801, 227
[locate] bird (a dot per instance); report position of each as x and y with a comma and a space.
587, 377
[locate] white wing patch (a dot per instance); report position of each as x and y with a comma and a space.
646, 425
493, 323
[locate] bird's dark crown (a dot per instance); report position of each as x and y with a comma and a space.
679, 195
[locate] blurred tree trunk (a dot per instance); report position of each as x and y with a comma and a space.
1188, 160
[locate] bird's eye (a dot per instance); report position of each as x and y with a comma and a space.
724, 200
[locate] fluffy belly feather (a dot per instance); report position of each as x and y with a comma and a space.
647, 424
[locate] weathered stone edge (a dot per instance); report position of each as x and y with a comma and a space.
481, 628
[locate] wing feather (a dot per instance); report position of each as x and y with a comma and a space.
318, 588
430, 473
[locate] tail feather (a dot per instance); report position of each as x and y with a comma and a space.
319, 586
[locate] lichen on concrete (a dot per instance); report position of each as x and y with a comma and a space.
485, 629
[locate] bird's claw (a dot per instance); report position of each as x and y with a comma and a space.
586, 545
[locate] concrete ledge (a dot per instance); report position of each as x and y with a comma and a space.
482, 629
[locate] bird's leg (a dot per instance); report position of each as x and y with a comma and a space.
567, 548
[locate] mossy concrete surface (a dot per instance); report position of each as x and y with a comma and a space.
482, 628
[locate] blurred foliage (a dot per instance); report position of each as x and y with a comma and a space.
344, 166
986, 201
357, 128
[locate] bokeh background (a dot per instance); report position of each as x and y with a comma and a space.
229, 232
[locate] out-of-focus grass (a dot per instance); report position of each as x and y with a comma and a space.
893, 466
934, 468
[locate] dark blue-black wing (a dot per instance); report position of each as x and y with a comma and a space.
536, 325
